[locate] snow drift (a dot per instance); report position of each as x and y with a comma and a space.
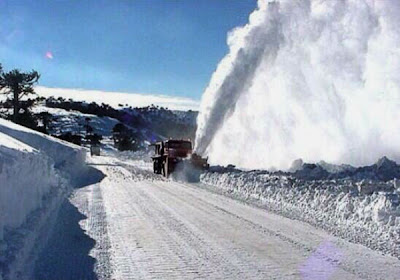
316, 80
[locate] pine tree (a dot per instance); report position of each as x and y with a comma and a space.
16, 84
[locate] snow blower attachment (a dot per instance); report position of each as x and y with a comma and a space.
171, 152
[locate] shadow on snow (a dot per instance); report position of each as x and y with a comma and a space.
66, 253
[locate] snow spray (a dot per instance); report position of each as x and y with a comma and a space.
316, 80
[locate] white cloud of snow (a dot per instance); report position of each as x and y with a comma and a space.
317, 80
115, 98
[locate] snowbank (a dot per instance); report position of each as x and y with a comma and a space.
26, 175
35, 173
354, 207
67, 157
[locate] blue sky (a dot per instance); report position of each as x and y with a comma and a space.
144, 46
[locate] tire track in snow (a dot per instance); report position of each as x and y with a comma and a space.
96, 225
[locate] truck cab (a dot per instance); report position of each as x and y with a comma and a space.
168, 153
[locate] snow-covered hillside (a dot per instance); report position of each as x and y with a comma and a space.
152, 121
35, 173
74, 121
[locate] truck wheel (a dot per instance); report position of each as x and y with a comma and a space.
155, 167
166, 171
163, 169
159, 167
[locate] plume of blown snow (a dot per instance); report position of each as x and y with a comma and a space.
317, 80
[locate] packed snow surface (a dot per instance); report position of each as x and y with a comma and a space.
316, 80
142, 226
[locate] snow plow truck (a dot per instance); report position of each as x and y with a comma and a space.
167, 154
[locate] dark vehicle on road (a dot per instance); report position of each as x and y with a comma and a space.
170, 152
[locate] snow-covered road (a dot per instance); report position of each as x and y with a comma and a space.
145, 227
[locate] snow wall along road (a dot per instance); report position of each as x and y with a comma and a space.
317, 80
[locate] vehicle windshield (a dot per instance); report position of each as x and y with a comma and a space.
179, 145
